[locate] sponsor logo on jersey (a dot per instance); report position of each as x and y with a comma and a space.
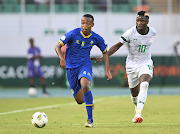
77, 41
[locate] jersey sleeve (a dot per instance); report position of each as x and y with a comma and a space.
66, 38
101, 44
154, 31
125, 37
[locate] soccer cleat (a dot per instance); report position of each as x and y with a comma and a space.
89, 123
137, 119
46, 94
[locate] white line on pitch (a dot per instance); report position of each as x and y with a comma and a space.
77, 124
46, 107
66, 124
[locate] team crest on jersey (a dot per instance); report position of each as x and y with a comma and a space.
150, 39
63, 38
91, 42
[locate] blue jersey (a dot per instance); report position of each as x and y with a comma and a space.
31, 53
33, 65
79, 46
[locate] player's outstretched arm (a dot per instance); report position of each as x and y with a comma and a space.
38, 56
60, 55
112, 50
96, 59
106, 61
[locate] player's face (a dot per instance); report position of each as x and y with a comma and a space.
141, 22
32, 43
86, 25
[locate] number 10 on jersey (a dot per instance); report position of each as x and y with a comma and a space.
142, 48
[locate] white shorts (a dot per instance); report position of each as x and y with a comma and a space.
133, 75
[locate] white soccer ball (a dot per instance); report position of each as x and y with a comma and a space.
32, 92
39, 119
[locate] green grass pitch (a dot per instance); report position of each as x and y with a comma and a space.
112, 115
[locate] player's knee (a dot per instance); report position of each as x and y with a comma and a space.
80, 101
85, 87
135, 93
144, 86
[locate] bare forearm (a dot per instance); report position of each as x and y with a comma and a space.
106, 61
114, 48
58, 51
36, 57
60, 55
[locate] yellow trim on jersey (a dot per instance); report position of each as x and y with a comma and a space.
105, 50
85, 35
61, 42
89, 105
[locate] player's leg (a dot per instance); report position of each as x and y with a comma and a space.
133, 82
81, 88
145, 75
142, 96
79, 97
134, 87
134, 94
72, 76
31, 80
134, 91
40, 74
88, 98
31, 75
43, 84
85, 77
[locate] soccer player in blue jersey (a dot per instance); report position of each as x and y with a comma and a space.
77, 61
33, 66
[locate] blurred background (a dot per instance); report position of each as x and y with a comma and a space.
47, 20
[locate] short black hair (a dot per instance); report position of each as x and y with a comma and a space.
31, 39
143, 13
90, 16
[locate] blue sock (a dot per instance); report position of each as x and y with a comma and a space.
88, 98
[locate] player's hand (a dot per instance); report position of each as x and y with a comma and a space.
39, 56
97, 59
108, 75
63, 63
